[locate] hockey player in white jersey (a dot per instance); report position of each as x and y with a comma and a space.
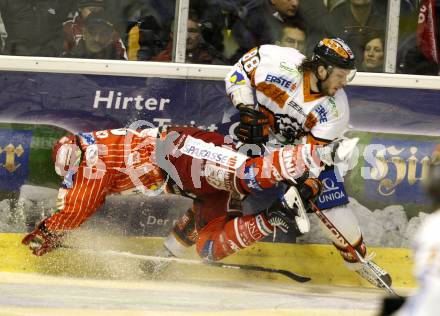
303, 101
298, 100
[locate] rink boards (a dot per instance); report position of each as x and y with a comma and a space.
320, 262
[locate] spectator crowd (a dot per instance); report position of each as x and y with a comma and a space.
218, 31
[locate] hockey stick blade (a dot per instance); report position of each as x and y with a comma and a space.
289, 274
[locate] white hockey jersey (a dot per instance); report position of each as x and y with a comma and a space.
283, 93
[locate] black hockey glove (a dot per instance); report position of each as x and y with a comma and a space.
310, 189
253, 127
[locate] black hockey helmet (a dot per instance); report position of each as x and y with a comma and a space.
335, 52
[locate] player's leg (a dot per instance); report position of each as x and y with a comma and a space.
346, 222
223, 230
183, 235
334, 203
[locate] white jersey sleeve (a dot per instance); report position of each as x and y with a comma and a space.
239, 80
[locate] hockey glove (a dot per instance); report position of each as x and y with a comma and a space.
253, 127
41, 240
310, 189
338, 151
293, 161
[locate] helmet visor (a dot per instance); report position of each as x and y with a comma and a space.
351, 74
342, 74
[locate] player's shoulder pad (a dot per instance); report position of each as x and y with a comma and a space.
278, 61
279, 53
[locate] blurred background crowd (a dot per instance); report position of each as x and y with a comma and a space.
218, 31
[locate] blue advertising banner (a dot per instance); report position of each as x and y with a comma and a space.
92, 102
14, 157
395, 173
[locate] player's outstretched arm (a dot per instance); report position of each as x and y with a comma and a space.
41, 240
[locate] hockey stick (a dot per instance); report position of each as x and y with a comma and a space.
290, 275
324, 219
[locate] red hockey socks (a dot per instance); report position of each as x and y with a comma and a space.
222, 237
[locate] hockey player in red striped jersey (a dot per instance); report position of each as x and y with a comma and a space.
198, 164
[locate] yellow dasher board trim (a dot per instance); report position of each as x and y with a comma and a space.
320, 262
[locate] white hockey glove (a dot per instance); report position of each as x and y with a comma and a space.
293, 161
338, 151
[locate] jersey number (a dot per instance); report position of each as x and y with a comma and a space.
250, 60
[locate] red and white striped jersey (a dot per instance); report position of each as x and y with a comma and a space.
114, 161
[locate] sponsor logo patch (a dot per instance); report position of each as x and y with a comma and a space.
250, 179
321, 113
333, 192
237, 78
87, 138
285, 67
282, 82
199, 149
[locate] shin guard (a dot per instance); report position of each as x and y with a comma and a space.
183, 235
221, 238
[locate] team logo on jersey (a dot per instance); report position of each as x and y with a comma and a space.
88, 138
237, 78
288, 127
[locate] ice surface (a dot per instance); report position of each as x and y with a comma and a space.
21, 292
